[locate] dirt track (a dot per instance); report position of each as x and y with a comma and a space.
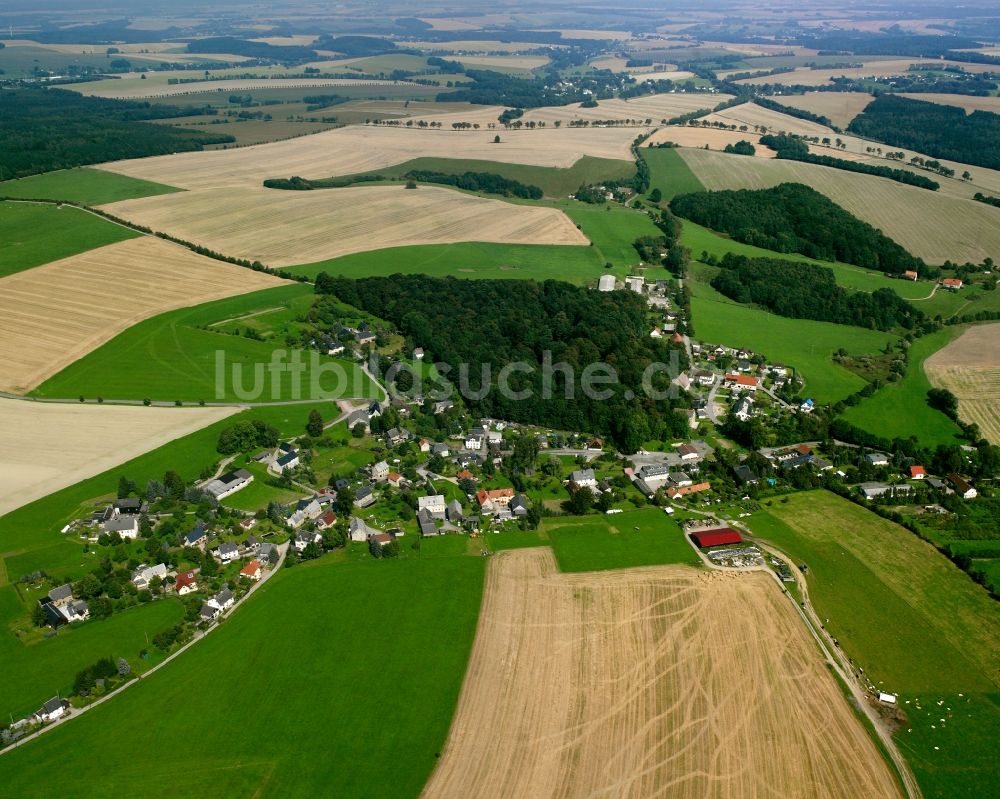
663, 681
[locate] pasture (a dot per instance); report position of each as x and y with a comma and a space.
474, 260
969, 367
900, 409
283, 228
174, 356
362, 148
31, 235
82, 185
668, 172
660, 663
913, 621
802, 343
54, 314
612, 229
354, 733
51, 446
839, 107
644, 537
929, 224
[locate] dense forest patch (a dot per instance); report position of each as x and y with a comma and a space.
804, 291
792, 217
942, 131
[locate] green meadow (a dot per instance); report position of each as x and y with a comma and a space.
669, 173
916, 624
335, 679
612, 228
900, 409
553, 181
645, 537
31, 235
175, 356
805, 344
82, 185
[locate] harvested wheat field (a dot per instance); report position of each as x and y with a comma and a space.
929, 224
969, 367
967, 102
50, 446
713, 138
753, 115
839, 107
655, 107
54, 314
360, 148
284, 228
139, 91
805, 76
653, 682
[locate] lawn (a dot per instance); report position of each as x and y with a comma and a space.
612, 228
802, 343
644, 537
177, 356
669, 173
553, 181
335, 679
31, 235
82, 185
913, 621
35, 673
700, 240
259, 494
477, 260
900, 409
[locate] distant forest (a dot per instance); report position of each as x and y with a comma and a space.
941, 131
792, 217
496, 322
497, 88
46, 129
244, 47
805, 291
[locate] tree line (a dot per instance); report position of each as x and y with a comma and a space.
792, 217
804, 291
485, 324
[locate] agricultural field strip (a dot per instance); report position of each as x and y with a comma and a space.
141, 90
805, 76
932, 226
969, 368
51, 446
53, 314
714, 139
360, 148
839, 107
285, 228
643, 682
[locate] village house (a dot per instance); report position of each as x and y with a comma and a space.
746, 475
223, 600
434, 504
283, 463
144, 575
493, 500
380, 470
130, 506
228, 483
227, 552
688, 452
952, 283
743, 409
474, 440
440, 449
251, 571
127, 527
877, 458
426, 523
326, 521
454, 512
185, 583
54, 709
418, 353
738, 382
425, 445
584, 478
442, 406
359, 417
519, 506
396, 436
268, 554
396, 480
359, 531
962, 487
918, 473
364, 497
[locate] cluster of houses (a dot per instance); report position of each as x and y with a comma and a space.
673, 472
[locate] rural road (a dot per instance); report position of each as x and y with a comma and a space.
199, 635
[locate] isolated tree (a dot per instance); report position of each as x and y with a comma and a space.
496, 139
124, 669
580, 501
39, 617
314, 426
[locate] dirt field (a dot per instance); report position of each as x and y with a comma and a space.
654, 682
361, 148
969, 368
284, 228
49, 447
54, 314
839, 107
656, 107
967, 102
929, 224
686, 136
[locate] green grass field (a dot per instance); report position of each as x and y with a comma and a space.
554, 181
700, 240
82, 185
175, 356
592, 543
802, 343
31, 235
334, 679
37, 672
900, 410
474, 260
258, 494
913, 621
612, 229
669, 173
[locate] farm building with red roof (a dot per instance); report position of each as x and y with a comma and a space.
714, 538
